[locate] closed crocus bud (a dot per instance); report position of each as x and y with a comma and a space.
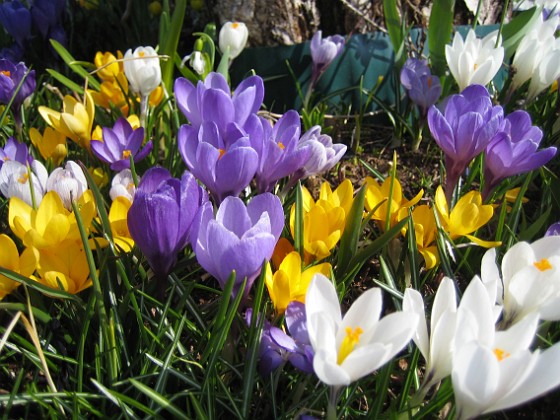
14, 181
142, 70
68, 182
324, 51
233, 36
122, 185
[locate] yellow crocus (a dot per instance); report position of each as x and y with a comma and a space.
156, 96
75, 121
119, 226
425, 232
100, 177
343, 195
113, 93
51, 144
50, 225
64, 267
323, 224
468, 215
23, 264
289, 282
107, 65
392, 201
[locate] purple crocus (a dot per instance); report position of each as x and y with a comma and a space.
16, 20
278, 149
423, 88
119, 143
277, 347
553, 229
161, 216
212, 101
513, 151
463, 131
16, 151
239, 238
225, 166
323, 52
47, 16
11, 75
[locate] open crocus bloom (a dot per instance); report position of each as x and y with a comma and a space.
350, 347
530, 279
474, 61
494, 370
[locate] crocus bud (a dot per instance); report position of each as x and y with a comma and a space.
142, 70
233, 35
68, 182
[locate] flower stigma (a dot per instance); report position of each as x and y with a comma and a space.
352, 338
543, 265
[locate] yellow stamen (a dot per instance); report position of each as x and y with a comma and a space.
234, 25
126, 154
141, 54
281, 145
6, 73
352, 338
23, 178
6, 158
222, 152
501, 354
429, 82
475, 66
543, 265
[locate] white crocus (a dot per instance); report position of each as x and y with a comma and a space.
142, 70
122, 185
233, 36
14, 181
538, 57
494, 370
436, 346
350, 347
529, 280
474, 61
68, 182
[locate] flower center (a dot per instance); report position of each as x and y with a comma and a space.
141, 54
6, 73
23, 178
475, 66
281, 145
501, 354
222, 152
543, 265
352, 338
235, 25
126, 154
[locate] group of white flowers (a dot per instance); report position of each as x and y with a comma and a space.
483, 342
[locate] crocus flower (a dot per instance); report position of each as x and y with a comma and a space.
436, 347
528, 281
323, 224
388, 200
425, 231
468, 215
537, 57
15, 179
107, 65
161, 216
118, 216
513, 151
474, 61
16, 151
212, 100
494, 370
16, 20
142, 70
323, 52
239, 238
277, 347
553, 230
463, 131
423, 88
51, 225
10, 258
119, 143
113, 93
11, 75
278, 149
122, 185
47, 16
225, 168
75, 121
69, 183
351, 347
289, 283
51, 144
233, 38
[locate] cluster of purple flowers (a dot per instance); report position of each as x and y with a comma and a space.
20, 22
470, 124
423, 88
17, 82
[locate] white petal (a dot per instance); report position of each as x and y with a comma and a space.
413, 302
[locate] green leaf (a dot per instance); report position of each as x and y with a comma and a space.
158, 399
395, 29
169, 40
440, 27
352, 231
74, 66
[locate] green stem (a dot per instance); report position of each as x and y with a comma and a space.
333, 398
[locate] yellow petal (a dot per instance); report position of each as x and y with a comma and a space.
9, 257
484, 244
19, 216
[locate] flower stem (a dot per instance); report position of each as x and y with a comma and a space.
333, 398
